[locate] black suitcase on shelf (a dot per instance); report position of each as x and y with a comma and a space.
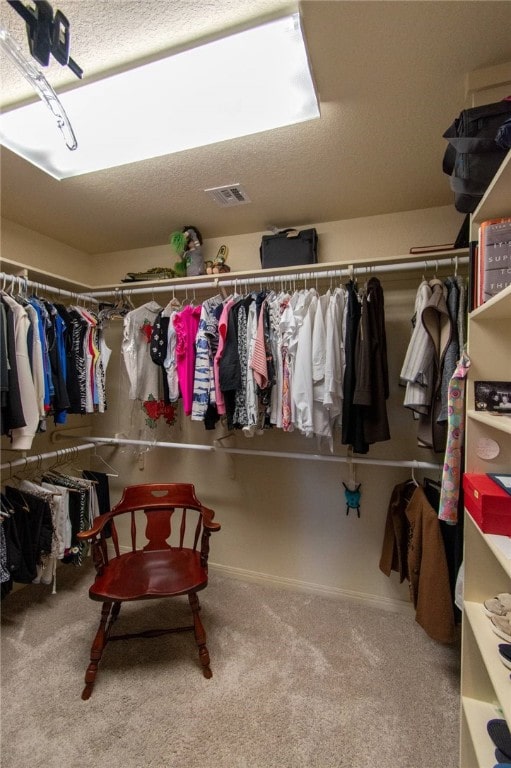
289, 248
473, 157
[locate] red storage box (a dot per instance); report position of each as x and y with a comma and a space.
488, 503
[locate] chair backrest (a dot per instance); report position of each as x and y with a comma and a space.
160, 502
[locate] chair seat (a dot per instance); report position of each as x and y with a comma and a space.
143, 574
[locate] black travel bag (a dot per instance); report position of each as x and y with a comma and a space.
473, 157
289, 248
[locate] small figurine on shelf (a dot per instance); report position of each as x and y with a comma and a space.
218, 266
188, 246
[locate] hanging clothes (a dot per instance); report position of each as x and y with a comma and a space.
206, 343
414, 547
452, 352
372, 374
229, 367
28, 533
352, 418
223, 324
12, 406
302, 380
437, 322
417, 369
186, 325
438, 336
145, 377
23, 436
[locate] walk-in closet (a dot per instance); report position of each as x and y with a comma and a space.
287, 395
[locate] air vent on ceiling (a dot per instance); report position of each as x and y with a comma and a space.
228, 195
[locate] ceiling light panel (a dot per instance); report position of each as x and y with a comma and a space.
252, 81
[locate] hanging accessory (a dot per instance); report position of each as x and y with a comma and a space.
352, 492
42, 87
48, 34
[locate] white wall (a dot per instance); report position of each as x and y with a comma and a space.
283, 519
25, 246
350, 240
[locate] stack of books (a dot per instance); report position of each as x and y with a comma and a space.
493, 270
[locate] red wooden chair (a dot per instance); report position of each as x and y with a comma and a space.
153, 568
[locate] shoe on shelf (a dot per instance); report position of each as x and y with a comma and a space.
499, 605
502, 627
498, 732
505, 654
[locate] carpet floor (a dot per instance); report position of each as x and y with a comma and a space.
299, 681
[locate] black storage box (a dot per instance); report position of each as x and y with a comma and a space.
289, 248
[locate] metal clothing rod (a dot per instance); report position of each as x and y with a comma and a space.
232, 281
23, 283
43, 456
248, 452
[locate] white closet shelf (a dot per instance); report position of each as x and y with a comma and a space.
36, 275
496, 308
324, 269
488, 643
500, 423
495, 202
500, 547
477, 714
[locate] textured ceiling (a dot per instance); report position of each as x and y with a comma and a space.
390, 77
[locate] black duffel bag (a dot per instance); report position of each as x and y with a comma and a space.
289, 248
473, 157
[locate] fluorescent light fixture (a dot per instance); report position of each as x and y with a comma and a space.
252, 81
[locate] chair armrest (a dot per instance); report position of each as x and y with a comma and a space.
207, 520
99, 524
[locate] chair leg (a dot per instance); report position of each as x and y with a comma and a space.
200, 635
98, 645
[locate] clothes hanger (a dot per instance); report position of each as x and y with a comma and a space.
6, 508
112, 472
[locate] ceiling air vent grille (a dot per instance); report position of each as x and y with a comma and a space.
228, 195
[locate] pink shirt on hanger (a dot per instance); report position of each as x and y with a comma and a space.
186, 324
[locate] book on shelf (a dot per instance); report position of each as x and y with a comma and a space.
493, 264
472, 274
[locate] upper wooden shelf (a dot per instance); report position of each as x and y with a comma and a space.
496, 308
496, 201
361, 267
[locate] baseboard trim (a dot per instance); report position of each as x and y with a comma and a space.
385, 603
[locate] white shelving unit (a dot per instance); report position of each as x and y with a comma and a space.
485, 681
